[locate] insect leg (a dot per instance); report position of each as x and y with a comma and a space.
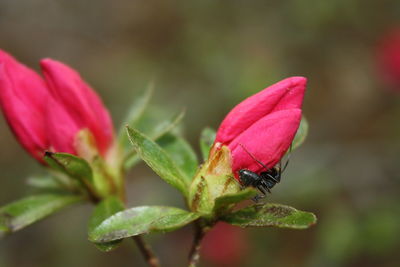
260, 196
287, 161
257, 198
263, 189
270, 177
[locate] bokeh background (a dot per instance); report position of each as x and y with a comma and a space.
207, 56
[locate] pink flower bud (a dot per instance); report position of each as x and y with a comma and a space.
79, 101
48, 114
388, 57
263, 124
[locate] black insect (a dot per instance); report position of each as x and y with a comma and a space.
264, 181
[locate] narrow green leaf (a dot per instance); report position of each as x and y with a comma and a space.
301, 134
44, 182
154, 131
181, 153
141, 220
26, 211
158, 160
207, 138
71, 165
136, 111
165, 126
106, 208
275, 215
227, 200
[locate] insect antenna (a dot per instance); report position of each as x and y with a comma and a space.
287, 161
252, 156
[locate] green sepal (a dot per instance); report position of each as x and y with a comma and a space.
301, 134
207, 138
29, 210
107, 178
213, 180
181, 153
105, 209
199, 196
70, 165
141, 220
271, 215
159, 160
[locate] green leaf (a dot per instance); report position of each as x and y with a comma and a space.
207, 138
141, 220
181, 153
275, 215
158, 160
301, 134
71, 165
165, 126
26, 211
227, 200
136, 111
106, 208
44, 182
154, 131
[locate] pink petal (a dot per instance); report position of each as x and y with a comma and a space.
23, 94
61, 128
80, 101
286, 94
26, 83
267, 140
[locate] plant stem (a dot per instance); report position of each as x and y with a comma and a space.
194, 255
146, 251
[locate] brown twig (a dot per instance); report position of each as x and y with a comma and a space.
146, 251
194, 254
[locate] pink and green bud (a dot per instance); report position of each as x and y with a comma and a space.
263, 125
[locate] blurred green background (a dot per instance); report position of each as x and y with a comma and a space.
207, 56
